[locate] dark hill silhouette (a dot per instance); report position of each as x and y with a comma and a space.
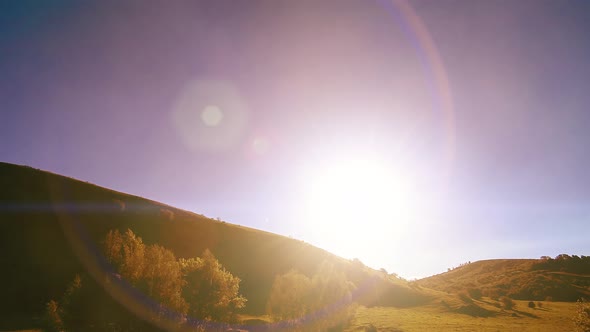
51, 227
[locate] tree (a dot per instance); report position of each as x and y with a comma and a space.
62, 315
332, 292
198, 286
53, 321
289, 296
71, 302
126, 252
212, 291
162, 278
295, 297
153, 269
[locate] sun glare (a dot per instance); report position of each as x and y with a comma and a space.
350, 203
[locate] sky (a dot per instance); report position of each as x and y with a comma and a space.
414, 136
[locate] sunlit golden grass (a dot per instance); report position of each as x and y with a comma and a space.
554, 316
516, 278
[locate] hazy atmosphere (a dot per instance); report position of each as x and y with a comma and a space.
414, 136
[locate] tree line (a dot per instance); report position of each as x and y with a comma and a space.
201, 290
564, 263
199, 287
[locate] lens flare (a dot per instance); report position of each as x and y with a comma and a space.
211, 116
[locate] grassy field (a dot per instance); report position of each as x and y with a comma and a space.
554, 316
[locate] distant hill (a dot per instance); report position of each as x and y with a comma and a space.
523, 279
51, 228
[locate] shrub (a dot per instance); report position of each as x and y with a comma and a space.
475, 293
464, 296
493, 293
52, 319
540, 304
582, 316
61, 316
507, 303
71, 303
532, 305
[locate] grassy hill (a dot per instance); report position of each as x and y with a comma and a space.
524, 279
51, 228
469, 298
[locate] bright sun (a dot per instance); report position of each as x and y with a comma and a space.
350, 203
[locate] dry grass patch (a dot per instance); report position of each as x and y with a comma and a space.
555, 316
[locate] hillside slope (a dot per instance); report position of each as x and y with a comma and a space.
51, 228
523, 279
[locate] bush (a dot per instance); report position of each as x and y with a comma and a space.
532, 305
61, 316
52, 319
71, 303
507, 303
475, 293
582, 317
493, 293
464, 296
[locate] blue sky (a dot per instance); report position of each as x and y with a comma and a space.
116, 94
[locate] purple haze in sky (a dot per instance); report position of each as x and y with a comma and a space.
106, 92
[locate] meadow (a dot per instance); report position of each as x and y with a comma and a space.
554, 316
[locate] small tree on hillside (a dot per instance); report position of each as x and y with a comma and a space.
52, 318
289, 296
294, 296
212, 291
71, 302
331, 289
153, 269
62, 315
162, 278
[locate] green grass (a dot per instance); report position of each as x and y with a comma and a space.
554, 316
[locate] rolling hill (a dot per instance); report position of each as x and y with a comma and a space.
52, 226
523, 279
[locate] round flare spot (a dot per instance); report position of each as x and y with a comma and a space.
211, 116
